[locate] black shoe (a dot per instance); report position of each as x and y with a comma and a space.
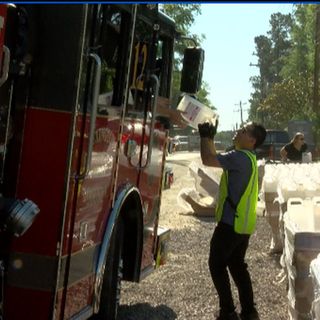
253, 315
228, 316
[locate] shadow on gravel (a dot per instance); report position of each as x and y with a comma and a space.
204, 218
144, 311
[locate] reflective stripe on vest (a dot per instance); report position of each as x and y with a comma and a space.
245, 219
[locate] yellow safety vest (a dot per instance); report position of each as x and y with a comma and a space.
245, 218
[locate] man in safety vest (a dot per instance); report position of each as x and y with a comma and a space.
235, 215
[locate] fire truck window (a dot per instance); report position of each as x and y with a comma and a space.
164, 63
159, 64
56, 57
150, 54
141, 63
113, 48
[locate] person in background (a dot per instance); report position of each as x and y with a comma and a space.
235, 216
293, 150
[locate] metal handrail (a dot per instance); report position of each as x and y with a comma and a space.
95, 97
153, 118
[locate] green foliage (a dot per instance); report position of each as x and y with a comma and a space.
280, 37
203, 95
270, 51
255, 100
265, 58
300, 61
284, 89
184, 16
288, 100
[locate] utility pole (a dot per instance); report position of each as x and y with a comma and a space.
241, 111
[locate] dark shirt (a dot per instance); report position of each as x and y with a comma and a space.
294, 154
239, 169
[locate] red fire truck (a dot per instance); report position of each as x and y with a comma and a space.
81, 141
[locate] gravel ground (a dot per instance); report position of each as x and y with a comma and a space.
182, 289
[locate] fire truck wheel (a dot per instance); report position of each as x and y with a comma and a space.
111, 287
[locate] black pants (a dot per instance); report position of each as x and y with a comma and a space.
228, 250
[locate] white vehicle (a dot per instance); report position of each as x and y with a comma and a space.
180, 143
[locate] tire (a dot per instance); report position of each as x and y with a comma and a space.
111, 287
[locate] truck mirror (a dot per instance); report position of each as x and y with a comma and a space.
191, 75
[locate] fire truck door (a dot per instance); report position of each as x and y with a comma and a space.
145, 147
91, 195
3, 93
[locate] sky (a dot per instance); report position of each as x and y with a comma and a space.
230, 30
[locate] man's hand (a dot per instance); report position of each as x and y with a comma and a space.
207, 130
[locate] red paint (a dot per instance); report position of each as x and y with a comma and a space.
42, 177
23, 303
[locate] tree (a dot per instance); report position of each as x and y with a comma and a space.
271, 51
184, 16
299, 61
288, 100
261, 83
294, 94
291, 71
203, 95
255, 113
280, 34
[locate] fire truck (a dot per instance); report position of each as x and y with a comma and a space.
82, 152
